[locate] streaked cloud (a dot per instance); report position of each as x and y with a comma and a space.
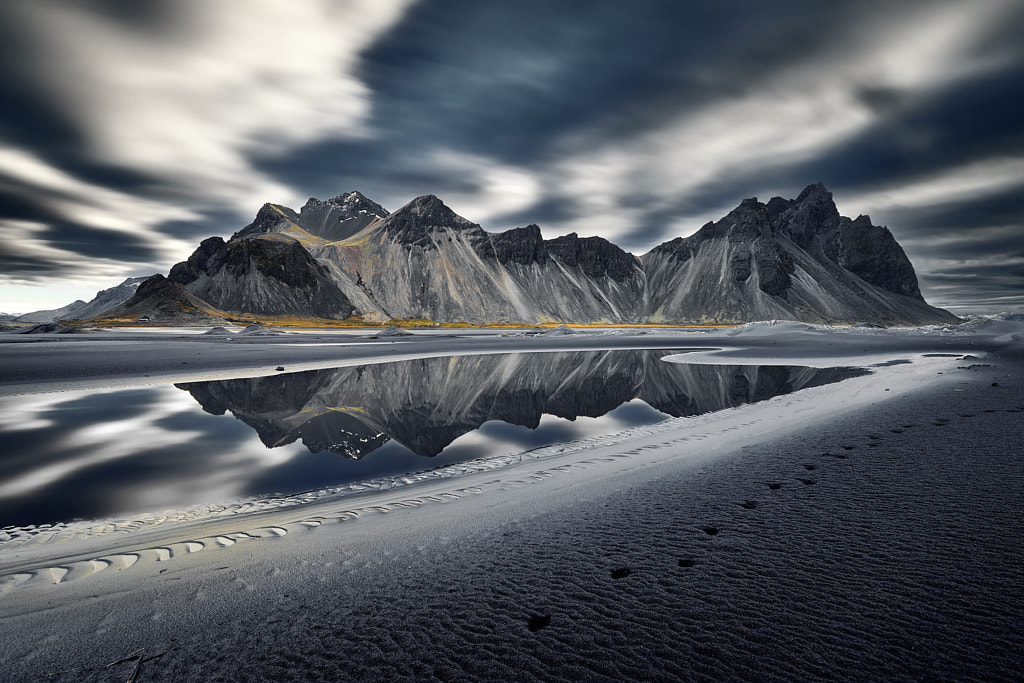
151, 125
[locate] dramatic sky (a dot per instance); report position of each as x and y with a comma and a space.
130, 130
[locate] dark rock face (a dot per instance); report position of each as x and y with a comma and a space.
282, 259
809, 218
808, 263
871, 253
868, 251
596, 256
164, 301
265, 274
740, 266
679, 249
340, 217
207, 259
413, 224
519, 245
776, 266
286, 262
270, 218
157, 285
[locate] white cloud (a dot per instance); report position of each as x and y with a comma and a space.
499, 189
964, 183
189, 106
94, 205
224, 475
69, 274
793, 115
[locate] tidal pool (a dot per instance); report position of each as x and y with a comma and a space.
105, 453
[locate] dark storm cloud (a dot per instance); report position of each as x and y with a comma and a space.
963, 123
509, 82
60, 232
917, 137
196, 229
547, 211
91, 242
29, 115
977, 287
18, 203
1000, 209
30, 266
154, 17
386, 174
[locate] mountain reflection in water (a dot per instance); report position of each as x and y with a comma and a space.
110, 452
426, 404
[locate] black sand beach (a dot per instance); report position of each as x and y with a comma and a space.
868, 530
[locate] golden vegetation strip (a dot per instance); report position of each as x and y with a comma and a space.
357, 322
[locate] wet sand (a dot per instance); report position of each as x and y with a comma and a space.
868, 530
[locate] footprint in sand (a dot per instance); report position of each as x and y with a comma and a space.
537, 623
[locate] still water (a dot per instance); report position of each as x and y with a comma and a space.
104, 453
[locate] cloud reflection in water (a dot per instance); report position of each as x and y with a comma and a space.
112, 452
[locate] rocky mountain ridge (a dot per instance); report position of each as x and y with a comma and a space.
787, 259
347, 256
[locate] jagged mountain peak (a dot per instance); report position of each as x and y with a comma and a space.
424, 213
748, 221
811, 214
351, 196
761, 258
270, 218
429, 207
351, 204
815, 192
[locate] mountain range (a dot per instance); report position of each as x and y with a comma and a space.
348, 257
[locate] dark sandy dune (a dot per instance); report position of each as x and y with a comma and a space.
867, 530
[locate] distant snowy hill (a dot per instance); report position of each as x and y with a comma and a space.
108, 298
80, 310
48, 316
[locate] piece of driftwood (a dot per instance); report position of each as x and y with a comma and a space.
138, 666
